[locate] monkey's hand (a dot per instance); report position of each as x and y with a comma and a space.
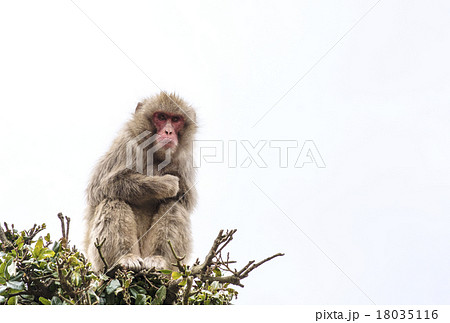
157, 262
136, 188
131, 262
165, 186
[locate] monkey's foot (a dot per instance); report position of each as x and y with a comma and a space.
131, 262
157, 262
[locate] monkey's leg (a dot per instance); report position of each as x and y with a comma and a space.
115, 225
170, 223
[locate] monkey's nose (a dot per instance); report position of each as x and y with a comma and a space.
168, 132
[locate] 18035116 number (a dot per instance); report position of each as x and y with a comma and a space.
407, 314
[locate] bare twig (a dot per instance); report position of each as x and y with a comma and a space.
214, 259
221, 238
3, 238
68, 226
236, 278
232, 279
34, 231
99, 246
172, 289
239, 273
65, 285
179, 259
63, 228
226, 242
65, 299
65, 233
254, 266
187, 290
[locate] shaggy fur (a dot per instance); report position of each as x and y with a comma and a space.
123, 204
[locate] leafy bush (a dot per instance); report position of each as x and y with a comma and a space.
40, 271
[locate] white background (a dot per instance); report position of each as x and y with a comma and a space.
376, 105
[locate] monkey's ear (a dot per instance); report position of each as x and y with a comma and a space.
138, 107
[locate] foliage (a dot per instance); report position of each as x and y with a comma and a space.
40, 271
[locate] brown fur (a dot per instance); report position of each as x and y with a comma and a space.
123, 204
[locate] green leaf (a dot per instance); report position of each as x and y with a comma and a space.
12, 301
38, 248
215, 285
140, 299
182, 283
3, 268
19, 286
17, 277
46, 253
76, 278
140, 290
44, 301
56, 246
165, 271
19, 242
176, 275
47, 237
217, 272
28, 297
161, 292
56, 301
160, 296
133, 292
73, 260
3, 273
3, 288
112, 286
12, 269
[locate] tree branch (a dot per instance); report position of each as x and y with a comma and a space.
4, 239
187, 291
179, 265
254, 266
232, 279
65, 233
239, 273
63, 228
221, 238
99, 249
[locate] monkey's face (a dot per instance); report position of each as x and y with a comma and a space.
168, 127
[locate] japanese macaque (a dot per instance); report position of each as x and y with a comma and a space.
141, 193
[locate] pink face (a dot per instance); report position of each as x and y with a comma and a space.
167, 127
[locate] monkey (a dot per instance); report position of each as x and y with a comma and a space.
141, 193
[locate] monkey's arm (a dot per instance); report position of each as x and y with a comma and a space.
133, 187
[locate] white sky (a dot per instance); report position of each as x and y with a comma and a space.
377, 107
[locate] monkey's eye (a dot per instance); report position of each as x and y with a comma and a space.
161, 116
175, 119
